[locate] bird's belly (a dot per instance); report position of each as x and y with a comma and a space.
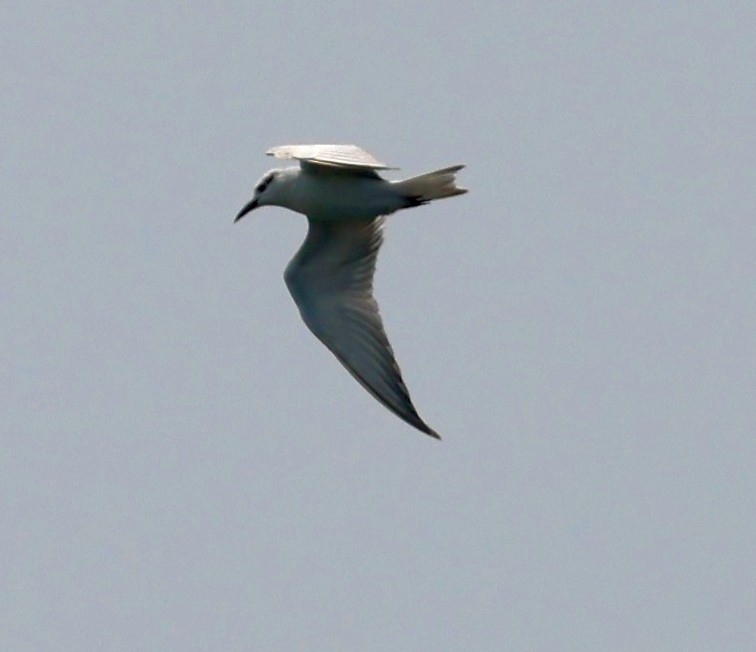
337, 199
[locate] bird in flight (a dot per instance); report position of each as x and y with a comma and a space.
340, 191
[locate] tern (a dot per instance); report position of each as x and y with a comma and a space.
340, 191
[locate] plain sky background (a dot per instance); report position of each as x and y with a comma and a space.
184, 467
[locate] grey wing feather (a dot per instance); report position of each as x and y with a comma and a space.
331, 281
347, 156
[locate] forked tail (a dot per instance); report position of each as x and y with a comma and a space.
431, 185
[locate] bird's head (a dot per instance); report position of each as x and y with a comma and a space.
264, 193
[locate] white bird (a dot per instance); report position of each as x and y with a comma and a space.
330, 278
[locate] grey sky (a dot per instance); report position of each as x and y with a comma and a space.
184, 467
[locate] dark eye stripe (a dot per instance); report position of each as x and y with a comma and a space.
263, 184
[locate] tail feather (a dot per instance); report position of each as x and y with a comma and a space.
431, 185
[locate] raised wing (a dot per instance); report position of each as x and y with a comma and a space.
331, 280
344, 156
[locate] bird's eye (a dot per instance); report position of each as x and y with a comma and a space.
263, 185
